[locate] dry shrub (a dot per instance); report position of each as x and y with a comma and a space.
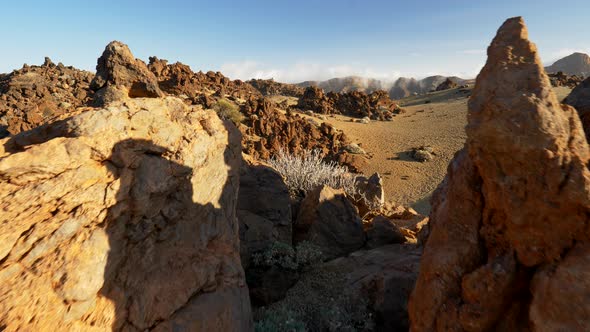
229, 111
304, 173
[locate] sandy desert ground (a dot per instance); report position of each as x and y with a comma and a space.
439, 123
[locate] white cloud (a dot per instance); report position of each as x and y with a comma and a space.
302, 71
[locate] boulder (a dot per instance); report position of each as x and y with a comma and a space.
328, 219
366, 291
446, 85
423, 153
354, 162
371, 194
119, 76
508, 242
579, 98
122, 219
264, 208
383, 231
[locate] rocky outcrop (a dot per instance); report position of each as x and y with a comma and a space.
372, 196
122, 219
579, 98
267, 130
376, 105
405, 87
501, 254
178, 79
446, 85
315, 99
561, 79
272, 88
35, 95
328, 219
383, 231
119, 75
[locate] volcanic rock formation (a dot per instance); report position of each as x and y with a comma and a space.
120, 76
122, 219
271, 87
509, 239
328, 219
266, 131
376, 105
561, 79
178, 79
34, 95
447, 84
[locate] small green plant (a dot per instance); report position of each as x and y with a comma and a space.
229, 111
348, 314
308, 254
283, 255
280, 319
277, 254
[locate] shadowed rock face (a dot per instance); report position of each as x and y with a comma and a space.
122, 219
119, 76
579, 98
509, 242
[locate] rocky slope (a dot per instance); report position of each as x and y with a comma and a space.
500, 255
377, 105
270, 88
347, 84
35, 95
178, 79
122, 218
573, 64
400, 88
266, 131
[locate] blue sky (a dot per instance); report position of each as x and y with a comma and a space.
288, 40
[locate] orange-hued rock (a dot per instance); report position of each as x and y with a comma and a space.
119, 75
122, 219
508, 227
35, 95
330, 221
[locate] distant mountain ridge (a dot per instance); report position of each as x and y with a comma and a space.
400, 88
573, 64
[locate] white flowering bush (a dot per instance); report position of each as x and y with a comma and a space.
304, 173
